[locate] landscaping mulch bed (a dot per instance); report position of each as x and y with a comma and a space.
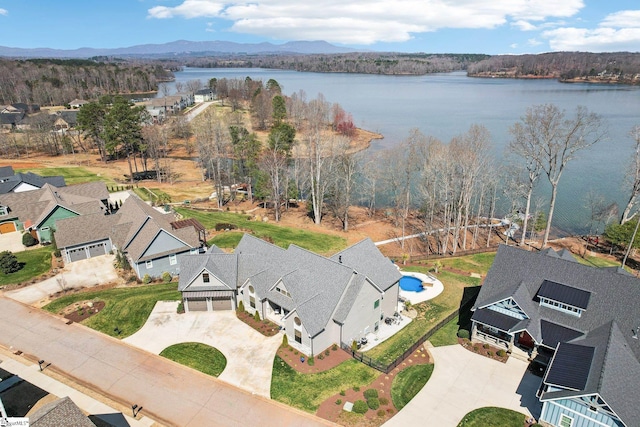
265, 327
482, 349
292, 357
81, 310
332, 411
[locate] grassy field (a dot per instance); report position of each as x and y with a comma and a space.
34, 263
492, 417
456, 287
447, 335
126, 309
308, 391
598, 262
229, 240
408, 383
201, 357
281, 236
72, 175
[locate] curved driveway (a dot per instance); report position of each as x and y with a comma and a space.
463, 381
249, 353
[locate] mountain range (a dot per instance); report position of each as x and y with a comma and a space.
180, 48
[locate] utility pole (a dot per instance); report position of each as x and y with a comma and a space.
633, 238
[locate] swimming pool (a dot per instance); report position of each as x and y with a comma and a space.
412, 284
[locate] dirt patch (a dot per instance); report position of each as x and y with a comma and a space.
81, 310
330, 358
331, 410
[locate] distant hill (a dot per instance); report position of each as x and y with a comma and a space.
181, 48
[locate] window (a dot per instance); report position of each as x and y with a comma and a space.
3, 210
149, 264
173, 260
297, 321
194, 251
565, 421
252, 302
298, 336
205, 277
251, 289
376, 303
376, 327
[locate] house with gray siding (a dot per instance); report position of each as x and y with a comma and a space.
581, 322
152, 241
318, 301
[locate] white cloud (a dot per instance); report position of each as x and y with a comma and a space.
534, 42
619, 31
4, 12
366, 21
513, 45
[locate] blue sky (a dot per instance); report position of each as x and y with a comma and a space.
434, 26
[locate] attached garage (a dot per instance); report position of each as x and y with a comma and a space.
76, 254
221, 304
197, 304
7, 227
87, 251
97, 249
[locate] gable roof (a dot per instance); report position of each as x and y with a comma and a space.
59, 413
11, 182
6, 171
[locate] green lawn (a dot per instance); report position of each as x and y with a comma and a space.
35, 262
198, 356
72, 175
447, 335
125, 308
456, 288
281, 236
230, 240
493, 417
408, 383
308, 391
595, 261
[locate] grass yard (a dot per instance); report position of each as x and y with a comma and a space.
493, 417
408, 383
595, 261
126, 309
72, 175
34, 263
201, 357
456, 289
229, 239
308, 391
447, 335
281, 236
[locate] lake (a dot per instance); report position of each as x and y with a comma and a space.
445, 105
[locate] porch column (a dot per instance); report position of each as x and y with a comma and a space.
511, 340
534, 352
474, 330
185, 304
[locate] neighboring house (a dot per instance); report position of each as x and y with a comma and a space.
318, 301
37, 211
143, 234
62, 412
159, 108
65, 120
204, 95
11, 182
77, 103
580, 320
10, 119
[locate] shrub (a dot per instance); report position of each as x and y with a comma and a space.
370, 393
256, 316
327, 352
57, 253
485, 346
339, 401
476, 347
285, 340
490, 353
240, 306
360, 407
463, 333
311, 361
146, 279
132, 278
334, 347
501, 353
28, 240
225, 226
380, 412
384, 401
9, 262
373, 403
181, 307
354, 346
296, 352
321, 356
356, 388
166, 277
342, 393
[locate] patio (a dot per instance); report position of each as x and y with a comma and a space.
385, 331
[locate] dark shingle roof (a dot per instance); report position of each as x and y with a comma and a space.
552, 333
6, 171
570, 366
566, 294
495, 319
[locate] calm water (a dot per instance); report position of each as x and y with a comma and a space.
445, 105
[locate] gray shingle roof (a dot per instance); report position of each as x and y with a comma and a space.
59, 413
84, 229
222, 266
6, 171
14, 180
365, 258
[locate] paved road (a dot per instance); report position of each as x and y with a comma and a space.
193, 113
463, 381
168, 392
249, 353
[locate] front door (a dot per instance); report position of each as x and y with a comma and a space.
525, 340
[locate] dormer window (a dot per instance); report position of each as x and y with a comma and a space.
563, 298
3, 210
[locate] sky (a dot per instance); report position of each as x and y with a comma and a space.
431, 26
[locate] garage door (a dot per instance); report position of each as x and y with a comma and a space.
221, 304
96, 250
197, 304
76, 254
7, 227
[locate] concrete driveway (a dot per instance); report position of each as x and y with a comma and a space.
12, 242
84, 273
463, 381
249, 354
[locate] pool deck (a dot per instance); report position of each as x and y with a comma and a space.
429, 292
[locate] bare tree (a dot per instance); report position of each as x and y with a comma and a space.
343, 183
274, 162
633, 177
554, 140
214, 146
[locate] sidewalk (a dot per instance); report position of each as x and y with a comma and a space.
91, 406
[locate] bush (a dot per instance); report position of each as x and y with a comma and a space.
334, 347
146, 279
370, 393
166, 277
476, 347
339, 401
354, 346
327, 352
9, 262
485, 346
501, 353
285, 340
225, 226
373, 403
384, 401
463, 333
356, 388
360, 407
181, 307
490, 353
241, 306
381, 412
311, 361
342, 393
321, 356
132, 278
57, 253
256, 316
28, 240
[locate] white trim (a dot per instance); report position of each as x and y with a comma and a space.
173, 259
554, 401
148, 264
